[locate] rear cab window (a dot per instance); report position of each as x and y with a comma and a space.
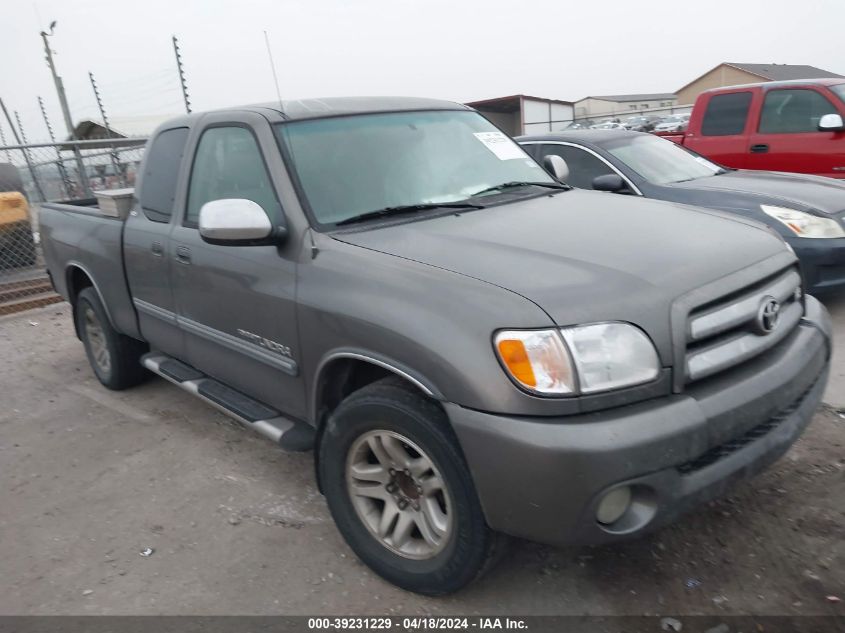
161, 174
726, 114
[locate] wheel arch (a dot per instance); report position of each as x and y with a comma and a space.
77, 278
355, 369
342, 372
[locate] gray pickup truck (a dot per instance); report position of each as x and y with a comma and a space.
472, 348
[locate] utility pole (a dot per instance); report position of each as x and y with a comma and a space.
60, 90
181, 75
60, 163
114, 161
26, 156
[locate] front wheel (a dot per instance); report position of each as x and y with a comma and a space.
400, 491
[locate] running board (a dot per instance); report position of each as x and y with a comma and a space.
290, 435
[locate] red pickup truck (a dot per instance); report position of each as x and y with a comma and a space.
796, 126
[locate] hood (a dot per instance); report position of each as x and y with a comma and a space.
584, 256
799, 191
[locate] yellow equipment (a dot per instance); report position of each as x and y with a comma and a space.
17, 247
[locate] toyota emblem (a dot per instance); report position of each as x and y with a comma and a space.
768, 315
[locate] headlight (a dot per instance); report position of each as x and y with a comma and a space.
578, 360
611, 355
804, 224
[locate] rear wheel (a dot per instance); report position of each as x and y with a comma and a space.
400, 491
115, 358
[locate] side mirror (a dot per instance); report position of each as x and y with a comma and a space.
609, 182
236, 222
831, 123
556, 166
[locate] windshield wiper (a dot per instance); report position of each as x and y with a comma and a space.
406, 208
521, 183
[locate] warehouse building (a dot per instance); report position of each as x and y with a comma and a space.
733, 74
523, 114
609, 105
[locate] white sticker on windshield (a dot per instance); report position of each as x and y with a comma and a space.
503, 147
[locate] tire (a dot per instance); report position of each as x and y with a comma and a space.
387, 415
115, 358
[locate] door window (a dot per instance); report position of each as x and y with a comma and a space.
726, 114
583, 166
793, 111
228, 164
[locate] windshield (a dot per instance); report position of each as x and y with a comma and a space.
839, 91
352, 165
660, 161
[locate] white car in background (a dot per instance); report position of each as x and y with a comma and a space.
608, 125
673, 123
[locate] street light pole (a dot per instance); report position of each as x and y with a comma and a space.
60, 90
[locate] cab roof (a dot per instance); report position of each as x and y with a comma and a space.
329, 107
767, 85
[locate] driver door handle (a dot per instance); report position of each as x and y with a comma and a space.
762, 148
183, 254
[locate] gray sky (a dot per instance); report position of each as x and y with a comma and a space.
453, 49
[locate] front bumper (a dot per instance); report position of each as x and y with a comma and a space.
542, 479
822, 263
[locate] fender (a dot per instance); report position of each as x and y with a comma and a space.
68, 271
420, 382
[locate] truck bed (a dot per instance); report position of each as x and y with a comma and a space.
675, 137
76, 235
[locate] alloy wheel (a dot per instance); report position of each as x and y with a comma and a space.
399, 494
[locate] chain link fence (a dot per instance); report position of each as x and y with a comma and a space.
49, 172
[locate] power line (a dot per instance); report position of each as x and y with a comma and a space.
135, 79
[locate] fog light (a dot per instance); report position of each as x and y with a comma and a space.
613, 505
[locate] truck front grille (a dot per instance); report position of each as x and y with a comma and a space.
731, 330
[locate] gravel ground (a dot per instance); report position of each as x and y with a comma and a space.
91, 478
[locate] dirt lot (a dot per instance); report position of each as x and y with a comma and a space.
90, 478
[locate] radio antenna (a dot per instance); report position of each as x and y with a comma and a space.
273, 68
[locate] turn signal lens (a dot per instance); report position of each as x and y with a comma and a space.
515, 357
537, 360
